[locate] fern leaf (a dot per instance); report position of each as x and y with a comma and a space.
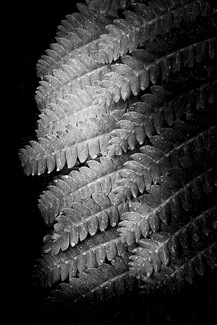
155, 72
67, 146
91, 253
186, 272
167, 139
107, 7
153, 254
70, 112
71, 30
56, 120
159, 164
146, 216
136, 121
109, 282
128, 113
146, 13
99, 177
76, 223
104, 283
77, 75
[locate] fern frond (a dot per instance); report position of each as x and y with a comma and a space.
108, 7
106, 281
122, 80
69, 111
135, 125
124, 36
78, 106
65, 136
127, 102
83, 219
170, 130
73, 81
56, 264
88, 140
153, 167
153, 254
90, 39
186, 272
146, 118
98, 177
81, 203
58, 147
93, 286
149, 257
76, 31
164, 205
76, 20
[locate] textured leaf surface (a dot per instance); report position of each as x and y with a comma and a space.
153, 254
79, 185
152, 213
127, 102
105, 282
171, 142
90, 254
186, 272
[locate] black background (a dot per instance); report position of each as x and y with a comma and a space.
29, 28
